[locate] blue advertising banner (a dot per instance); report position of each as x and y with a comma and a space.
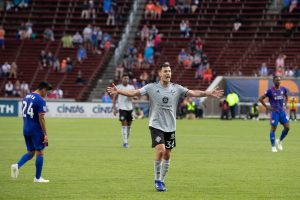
249, 90
9, 108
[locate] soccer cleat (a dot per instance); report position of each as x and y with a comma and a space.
159, 186
14, 169
274, 150
40, 180
279, 144
125, 145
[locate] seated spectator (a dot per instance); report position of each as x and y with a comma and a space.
199, 45
157, 43
280, 61
139, 60
81, 54
85, 10
199, 72
67, 41
6, 69
263, 70
50, 59
289, 72
17, 89
63, 65
2, 37
185, 29
43, 59
56, 65
119, 72
182, 56
279, 71
58, 93
29, 31
105, 98
111, 17
48, 34
107, 5
136, 84
157, 11
77, 39
9, 88
69, 64
149, 55
79, 80
237, 23
92, 9
144, 78
87, 36
24, 89
289, 26
293, 5
149, 9
207, 74
153, 77
22, 31
13, 70
297, 71
195, 4
144, 33
153, 32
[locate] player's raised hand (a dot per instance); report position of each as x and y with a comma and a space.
112, 90
216, 93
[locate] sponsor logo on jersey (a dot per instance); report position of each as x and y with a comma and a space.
165, 100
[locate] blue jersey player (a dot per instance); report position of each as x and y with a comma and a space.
278, 102
34, 131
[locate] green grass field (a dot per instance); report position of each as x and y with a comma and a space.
213, 160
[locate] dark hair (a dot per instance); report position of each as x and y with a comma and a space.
125, 74
44, 85
165, 64
275, 77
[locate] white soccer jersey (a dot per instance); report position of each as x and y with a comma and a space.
163, 104
124, 102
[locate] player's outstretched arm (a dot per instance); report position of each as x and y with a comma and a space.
130, 93
217, 93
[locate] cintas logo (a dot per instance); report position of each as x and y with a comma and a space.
70, 109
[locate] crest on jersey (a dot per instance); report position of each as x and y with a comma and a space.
172, 136
165, 100
158, 139
157, 91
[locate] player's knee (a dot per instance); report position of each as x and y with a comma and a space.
31, 153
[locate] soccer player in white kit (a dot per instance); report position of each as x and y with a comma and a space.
125, 109
163, 97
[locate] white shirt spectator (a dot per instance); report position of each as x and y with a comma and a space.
6, 68
87, 33
59, 93
24, 88
9, 88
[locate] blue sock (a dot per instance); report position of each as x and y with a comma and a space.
39, 165
272, 138
24, 159
283, 134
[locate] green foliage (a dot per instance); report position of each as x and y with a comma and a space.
213, 160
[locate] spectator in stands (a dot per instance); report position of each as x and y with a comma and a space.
87, 36
172, 5
293, 5
50, 59
180, 6
106, 5
263, 70
2, 37
297, 72
149, 9
237, 23
199, 45
149, 55
79, 80
58, 93
144, 78
77, 39
280, 61
22, 31
111, 17
69, 64
29, 31
185, 29
6, 69
67, 41
197, 60
16, 4
13, 70
144, 33
81, 54
119, 72
157, 11
195, 4
63, 65
48, 34
106, 40
92, 9
9, 88
9, 5
157, 43
24, 89
289, 72
199, 72
153, 32
25, 3
17, 89
153, 77
136, 84
207, 74
289, 26
85, 10
56, 65
43, 59
183, 56
105, 98
96, 39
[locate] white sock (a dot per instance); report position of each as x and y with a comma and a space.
128, 131
164, 169
157, 169
124, 134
